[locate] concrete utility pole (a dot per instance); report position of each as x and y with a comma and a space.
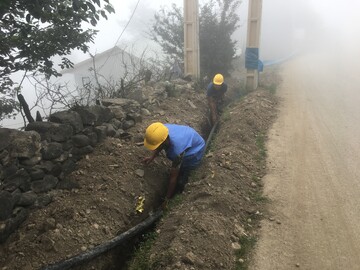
253, 43
191, 38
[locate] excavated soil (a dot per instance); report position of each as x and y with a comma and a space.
205, 229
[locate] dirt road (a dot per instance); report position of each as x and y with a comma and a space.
314, 168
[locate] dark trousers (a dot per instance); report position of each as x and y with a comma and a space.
189, 164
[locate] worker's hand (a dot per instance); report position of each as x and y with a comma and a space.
148, 160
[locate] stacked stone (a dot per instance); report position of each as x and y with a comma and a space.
37, 160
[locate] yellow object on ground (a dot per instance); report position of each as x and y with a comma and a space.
140, 204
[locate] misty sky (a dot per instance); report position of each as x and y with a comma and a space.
288, 26
136, 32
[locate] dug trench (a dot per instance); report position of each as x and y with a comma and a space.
208, 226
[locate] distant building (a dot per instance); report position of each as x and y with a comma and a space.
111, 66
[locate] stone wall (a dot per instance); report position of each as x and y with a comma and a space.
38, 160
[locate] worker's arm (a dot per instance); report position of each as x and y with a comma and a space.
148, 160
213, 110
211, 102
174, 173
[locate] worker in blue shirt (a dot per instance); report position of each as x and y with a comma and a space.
215, 96
183, 146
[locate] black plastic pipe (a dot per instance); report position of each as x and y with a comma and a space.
210, 135
81, 258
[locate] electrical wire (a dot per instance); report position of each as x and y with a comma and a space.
127, 24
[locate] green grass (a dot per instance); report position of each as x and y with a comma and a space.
175, 201
212, 146
259, 197
141, 258
247, 244
225, 116
254, 178
260, 142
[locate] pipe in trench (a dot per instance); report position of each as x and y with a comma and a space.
211, 134
76, 260
81, 258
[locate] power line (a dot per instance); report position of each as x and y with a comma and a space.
127, 24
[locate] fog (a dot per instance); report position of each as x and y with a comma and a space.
298, 26
289, 27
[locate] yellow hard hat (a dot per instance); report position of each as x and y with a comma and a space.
155, 135
218, 79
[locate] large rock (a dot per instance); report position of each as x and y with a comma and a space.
64, 156
145, 111
88, 118
67, 145
18, 217
36, 174
27, 199
5, 138
68, 166
20, 179
30, 161
138, 95
110, 130
9, 170
68, 117
4, 157
101, 132
116, 123
122, 102
79, 152
51, 151
51, 131
118, 112
136, 117
128, 124
102, 114
48, 183
46, 166
20, 144
7, 203
56, 170
90, 133
128, 105
80, 140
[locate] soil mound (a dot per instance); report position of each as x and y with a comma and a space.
217, 213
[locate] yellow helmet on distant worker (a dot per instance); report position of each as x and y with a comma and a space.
155, 135
218, 79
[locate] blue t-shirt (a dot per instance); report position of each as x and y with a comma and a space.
216, 93
185, 139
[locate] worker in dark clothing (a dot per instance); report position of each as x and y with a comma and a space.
183, 146
215, 96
